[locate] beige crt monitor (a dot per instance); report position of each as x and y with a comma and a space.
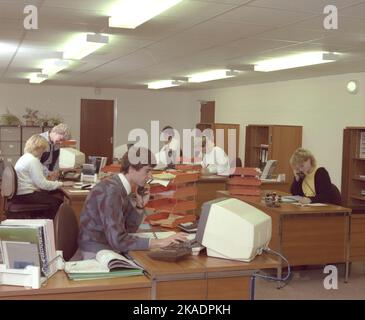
233, 229
71, 158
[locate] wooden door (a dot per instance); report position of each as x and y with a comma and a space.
207, 112
96, 128
283, 141
226, 127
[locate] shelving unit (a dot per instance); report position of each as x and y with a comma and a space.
353, 169
272, 142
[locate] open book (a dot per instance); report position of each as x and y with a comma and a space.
107, 264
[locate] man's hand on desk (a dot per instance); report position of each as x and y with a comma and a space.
160, 243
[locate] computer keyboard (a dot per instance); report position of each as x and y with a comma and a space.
174, 251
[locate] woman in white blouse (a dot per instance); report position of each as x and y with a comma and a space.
33, 187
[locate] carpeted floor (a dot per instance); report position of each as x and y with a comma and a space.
308, 283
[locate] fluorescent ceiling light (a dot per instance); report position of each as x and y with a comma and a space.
51, 67
83, 44
164, 84
6, 48
295, 61
213, 75
37, 78
132, 13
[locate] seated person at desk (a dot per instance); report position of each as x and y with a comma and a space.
215, 160
110, 214
170, 152
311, 183
33, 187
50, 156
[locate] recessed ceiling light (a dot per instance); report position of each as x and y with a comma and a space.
213, 75
84, 44
295, 61
132, 13
163, 84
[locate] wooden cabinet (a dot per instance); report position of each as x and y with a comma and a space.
353, 168
224, 133
12, 141
272, 142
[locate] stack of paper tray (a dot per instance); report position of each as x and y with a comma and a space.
244, 181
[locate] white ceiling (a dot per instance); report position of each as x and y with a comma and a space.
193, 36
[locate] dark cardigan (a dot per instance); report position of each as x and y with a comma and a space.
322, 186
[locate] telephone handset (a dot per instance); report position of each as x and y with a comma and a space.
301, 175
143, 190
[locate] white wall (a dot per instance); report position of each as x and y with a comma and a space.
135, 108
321, 105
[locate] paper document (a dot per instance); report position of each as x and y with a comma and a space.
290, 198
164, 183
311, 204
154, 235
163, 176
78, 191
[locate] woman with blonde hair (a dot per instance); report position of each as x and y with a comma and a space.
313, 184
33, 187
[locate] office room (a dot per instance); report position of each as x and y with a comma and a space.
146, 75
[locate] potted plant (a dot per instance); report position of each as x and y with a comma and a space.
9, 119
54, 121
31, 116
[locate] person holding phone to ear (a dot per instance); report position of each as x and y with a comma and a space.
112, 212
312, 183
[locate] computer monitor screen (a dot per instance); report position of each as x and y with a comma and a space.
269, 169
71, 158
233, 229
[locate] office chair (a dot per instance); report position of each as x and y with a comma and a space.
66, 230
335, 195
9, 186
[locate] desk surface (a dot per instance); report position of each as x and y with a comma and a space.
59, 285
286, 208
201, 264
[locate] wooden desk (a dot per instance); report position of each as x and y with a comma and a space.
59, 287
202, 277
75, 200
307, 235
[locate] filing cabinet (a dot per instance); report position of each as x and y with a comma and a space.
13, 139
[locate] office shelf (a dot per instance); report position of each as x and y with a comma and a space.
272, 142
353, 166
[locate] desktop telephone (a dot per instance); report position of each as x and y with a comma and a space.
72, 175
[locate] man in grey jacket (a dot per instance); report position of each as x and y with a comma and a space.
110, 214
